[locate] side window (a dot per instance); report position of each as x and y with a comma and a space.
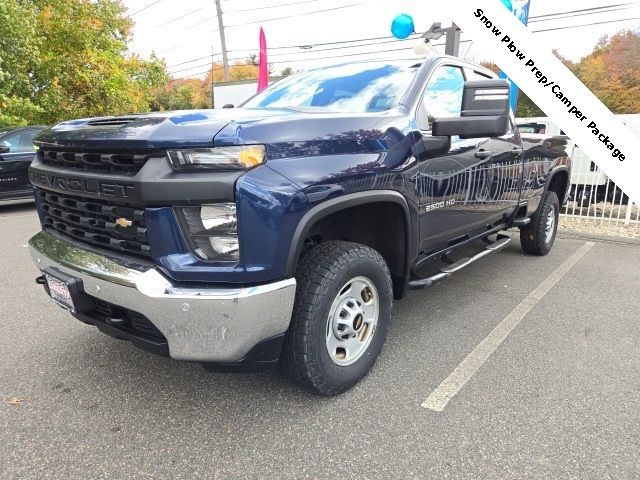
442, 96
13, 141
21, 141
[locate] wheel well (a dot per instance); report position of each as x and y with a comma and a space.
380, 225
559, 184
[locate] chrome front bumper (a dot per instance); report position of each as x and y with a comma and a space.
200, 324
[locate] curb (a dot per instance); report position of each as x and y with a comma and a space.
598, 237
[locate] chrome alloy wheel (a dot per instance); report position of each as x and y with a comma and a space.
352, 322
551, 225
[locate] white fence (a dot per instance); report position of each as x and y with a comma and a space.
594, 199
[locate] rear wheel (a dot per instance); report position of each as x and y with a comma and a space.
538, 236
340, 317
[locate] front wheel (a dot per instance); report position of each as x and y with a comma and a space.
538, 236
340, 317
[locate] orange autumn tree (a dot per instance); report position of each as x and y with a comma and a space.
244, 70
182, 94
612, 72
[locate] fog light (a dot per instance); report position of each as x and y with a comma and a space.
211, 231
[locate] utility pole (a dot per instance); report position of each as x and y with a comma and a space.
223, 42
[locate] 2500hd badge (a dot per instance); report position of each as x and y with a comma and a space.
81, 185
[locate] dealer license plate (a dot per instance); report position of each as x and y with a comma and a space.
59, 291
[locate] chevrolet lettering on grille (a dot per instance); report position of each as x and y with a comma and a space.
81, 185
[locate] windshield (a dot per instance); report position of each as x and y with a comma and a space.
352, 88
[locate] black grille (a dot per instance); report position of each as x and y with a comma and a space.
128, 320
94, 222
96, 161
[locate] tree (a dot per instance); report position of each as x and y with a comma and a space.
66, 59
17, 51
612, 72
183, 94
285, 72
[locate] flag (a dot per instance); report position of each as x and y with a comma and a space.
263, 70
520, 8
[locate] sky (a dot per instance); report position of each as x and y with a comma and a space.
184, 32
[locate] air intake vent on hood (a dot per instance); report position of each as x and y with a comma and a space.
113, 122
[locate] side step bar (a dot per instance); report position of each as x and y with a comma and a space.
520, 221
501, 242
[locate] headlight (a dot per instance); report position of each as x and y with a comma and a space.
211, 231
240, 157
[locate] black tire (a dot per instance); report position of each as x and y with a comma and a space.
533, 237
320, 275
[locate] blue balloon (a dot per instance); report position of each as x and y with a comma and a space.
402, 26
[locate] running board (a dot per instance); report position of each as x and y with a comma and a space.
520, 221
501, 242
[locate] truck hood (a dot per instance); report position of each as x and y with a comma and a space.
205, 128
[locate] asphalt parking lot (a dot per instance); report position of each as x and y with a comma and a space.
555, 393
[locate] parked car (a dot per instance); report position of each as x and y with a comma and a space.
16, 152
281, 231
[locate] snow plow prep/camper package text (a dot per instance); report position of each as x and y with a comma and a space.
555, 88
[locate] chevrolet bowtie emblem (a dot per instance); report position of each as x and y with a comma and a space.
123, 222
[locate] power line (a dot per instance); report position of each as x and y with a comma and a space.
290, 53
598, 12
180, 18
584, 10
344, 42
264, 20
537, 18
272, 6
293, 60
143, 8
389, 38
259, 21
585, 25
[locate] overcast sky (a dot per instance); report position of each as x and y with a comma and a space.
160, 28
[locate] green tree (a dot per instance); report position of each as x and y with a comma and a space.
285, 72
17, 53
68, 59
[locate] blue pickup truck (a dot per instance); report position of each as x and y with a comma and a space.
279, 233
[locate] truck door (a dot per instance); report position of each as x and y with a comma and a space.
14, 163
458, 189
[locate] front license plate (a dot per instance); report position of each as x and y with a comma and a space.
59, 291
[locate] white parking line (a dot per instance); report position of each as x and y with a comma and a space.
470, 365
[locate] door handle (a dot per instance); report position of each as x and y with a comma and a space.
516, 152
483, 154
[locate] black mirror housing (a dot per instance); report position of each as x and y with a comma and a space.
4, 149
485, 111
472, 127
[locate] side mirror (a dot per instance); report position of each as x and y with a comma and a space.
5, 148
228, 105
485, 111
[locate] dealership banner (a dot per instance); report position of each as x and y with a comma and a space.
550, 84
520, 8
